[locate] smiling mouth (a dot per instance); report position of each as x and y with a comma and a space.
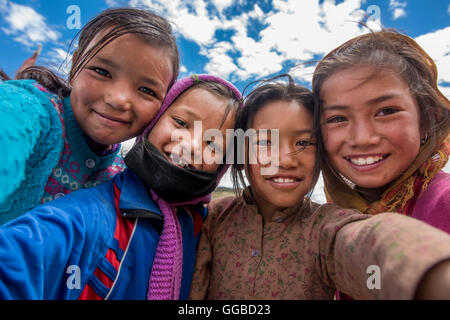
179, 161
284, 180
366, 160
284, 183
107, 117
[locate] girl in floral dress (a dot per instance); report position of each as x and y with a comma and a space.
272, 242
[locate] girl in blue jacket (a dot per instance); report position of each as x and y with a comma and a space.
63, 137
135, 236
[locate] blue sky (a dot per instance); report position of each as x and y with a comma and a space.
239, 40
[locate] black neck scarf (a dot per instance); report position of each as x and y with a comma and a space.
168, 181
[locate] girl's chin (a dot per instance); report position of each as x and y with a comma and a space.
287, 203
102, 145
368, 185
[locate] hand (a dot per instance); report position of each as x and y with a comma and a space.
435, 284
31, 61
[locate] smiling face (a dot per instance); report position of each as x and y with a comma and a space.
293, 178
120, 90
180, 132
371, 129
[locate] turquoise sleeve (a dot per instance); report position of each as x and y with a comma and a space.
30, 138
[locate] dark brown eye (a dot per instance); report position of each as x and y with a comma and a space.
386, 111
101, 72
148, 91
336, 119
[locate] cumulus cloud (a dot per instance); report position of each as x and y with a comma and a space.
183, 69
397, 8
297, 32
220, 61
221, 4
294, 31
26, 25
192, 18
439, 51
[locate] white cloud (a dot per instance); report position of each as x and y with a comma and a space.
398, 13
221, 4
220, 62
196, 24
257, 13
446, 92
26, 25
296, 31
303, 72
115, 3
397, 8
438, 48
58, 60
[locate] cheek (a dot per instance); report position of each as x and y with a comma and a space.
253, 175
331, 152
310, 159
332, 138
161, 132
146, 112
156, 136
84, 87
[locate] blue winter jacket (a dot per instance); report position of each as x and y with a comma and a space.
79, 246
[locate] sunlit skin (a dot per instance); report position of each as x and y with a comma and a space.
120, 90
293, 178
174, 135
371, 129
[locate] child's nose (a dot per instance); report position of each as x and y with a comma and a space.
119, 97
363, 133
189, 146
287, 157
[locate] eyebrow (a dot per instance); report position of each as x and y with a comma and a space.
296, 132
370, 102
190, 113
335, 107
106, 61
383, 98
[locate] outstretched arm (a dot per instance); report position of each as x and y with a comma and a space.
386, 256
30, 135
35, 251
435, 283
49, 252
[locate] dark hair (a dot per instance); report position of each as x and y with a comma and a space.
4, 76
270, 91
119, 21
388, 49
222, 91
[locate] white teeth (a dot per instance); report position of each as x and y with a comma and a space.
365, 161
283, 180
179, 161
